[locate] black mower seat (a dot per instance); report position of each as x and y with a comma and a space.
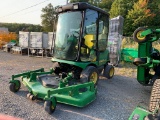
49, 80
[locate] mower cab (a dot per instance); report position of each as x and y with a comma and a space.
80, 55
81, 36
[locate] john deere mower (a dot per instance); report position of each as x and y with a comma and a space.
148, 72
80, 56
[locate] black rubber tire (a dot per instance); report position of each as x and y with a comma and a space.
87, 73
107, 71
155, 96
56, 68
49, 107
138, 61
136, 33
14, 88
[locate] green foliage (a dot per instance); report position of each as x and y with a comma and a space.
95, 2
136, 13
16, 27
120, 7
140, 15
106, 5
154, 6
48, 17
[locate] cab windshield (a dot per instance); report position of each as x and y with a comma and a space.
67, 35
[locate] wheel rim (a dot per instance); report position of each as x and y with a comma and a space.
139, 37
111, 72
94, 77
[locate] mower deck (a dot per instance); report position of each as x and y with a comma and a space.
63, 95
52, 88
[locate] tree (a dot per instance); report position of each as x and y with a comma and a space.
16, 27
121, 7
48, 17
154, 6
106, 5
95, 2
140, 15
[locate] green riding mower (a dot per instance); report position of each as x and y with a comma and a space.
148, 72
80, 56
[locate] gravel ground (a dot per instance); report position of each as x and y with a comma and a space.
116, 97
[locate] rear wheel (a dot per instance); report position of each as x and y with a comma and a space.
108, 71
137, 35
90, 74
155, 96
14, 87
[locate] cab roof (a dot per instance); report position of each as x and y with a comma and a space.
79, 6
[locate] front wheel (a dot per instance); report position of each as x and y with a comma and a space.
90, 74
108, 71
14, 87
50, 106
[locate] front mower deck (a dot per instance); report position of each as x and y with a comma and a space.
46, 86
71, 95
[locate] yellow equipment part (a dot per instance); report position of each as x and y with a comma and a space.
89, 40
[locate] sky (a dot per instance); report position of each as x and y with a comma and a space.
25, 11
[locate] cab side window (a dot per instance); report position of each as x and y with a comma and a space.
103, 32
89, 35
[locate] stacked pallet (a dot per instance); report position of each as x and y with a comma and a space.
115, 39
